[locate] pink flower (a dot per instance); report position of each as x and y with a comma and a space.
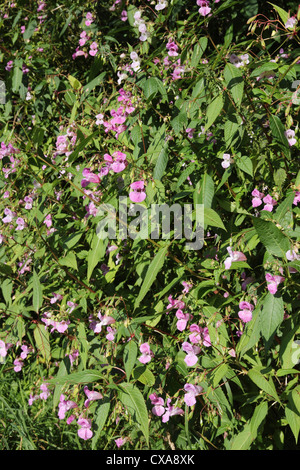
269, 203
273, 282
291, 22
158, 402
4, 348
233, 256
171, 410
192, 351
146, 353
120, 441
85, 428
64, 406
124, 15
18, 365
296, 198
172, 49
104, 320
48, 220
89, 177
204, 7
183, 318
227, 160
290, 135
257, 198
137, 194
191, 392
45, 392
245, 312
20, 223
91, 395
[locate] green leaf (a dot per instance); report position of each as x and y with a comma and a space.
153, 269
258, 416
204, 191
63, 370
69, 260
95, 255
262, 383
245, 164
271, 237
129, 357
292, 411
150, 88
243, 440
234, 82
161, 163
144, 375
74, 82
85, 376
133, 400
100, 418
212, 218
198, 51
271, 317
37, 298
41, 337
213, 111
278, 130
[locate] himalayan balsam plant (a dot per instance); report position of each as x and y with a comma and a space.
149, 237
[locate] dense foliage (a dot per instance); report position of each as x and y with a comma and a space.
114, 333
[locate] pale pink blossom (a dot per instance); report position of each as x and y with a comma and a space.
147, 354
137, 194
233, 256
245, 312
273, 282
85, 428
191, 392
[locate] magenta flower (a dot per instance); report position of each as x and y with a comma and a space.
91, 395
273, 282
172, 49
45, 392
124, 15
147, 354
89, 177
269, 203
233, 256
245, 312
137, 194
158, 402
18, 365
257, 198
64, 406
192, 351
290, 135
20, 223
48, 220
204, 7
120, 441
104, 320
191, 392
4, 348
85, 428
183, 318
171, 410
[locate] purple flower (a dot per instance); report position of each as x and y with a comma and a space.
273, 282
146, 353
191, 392
233, 256
245, 313
137, 194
